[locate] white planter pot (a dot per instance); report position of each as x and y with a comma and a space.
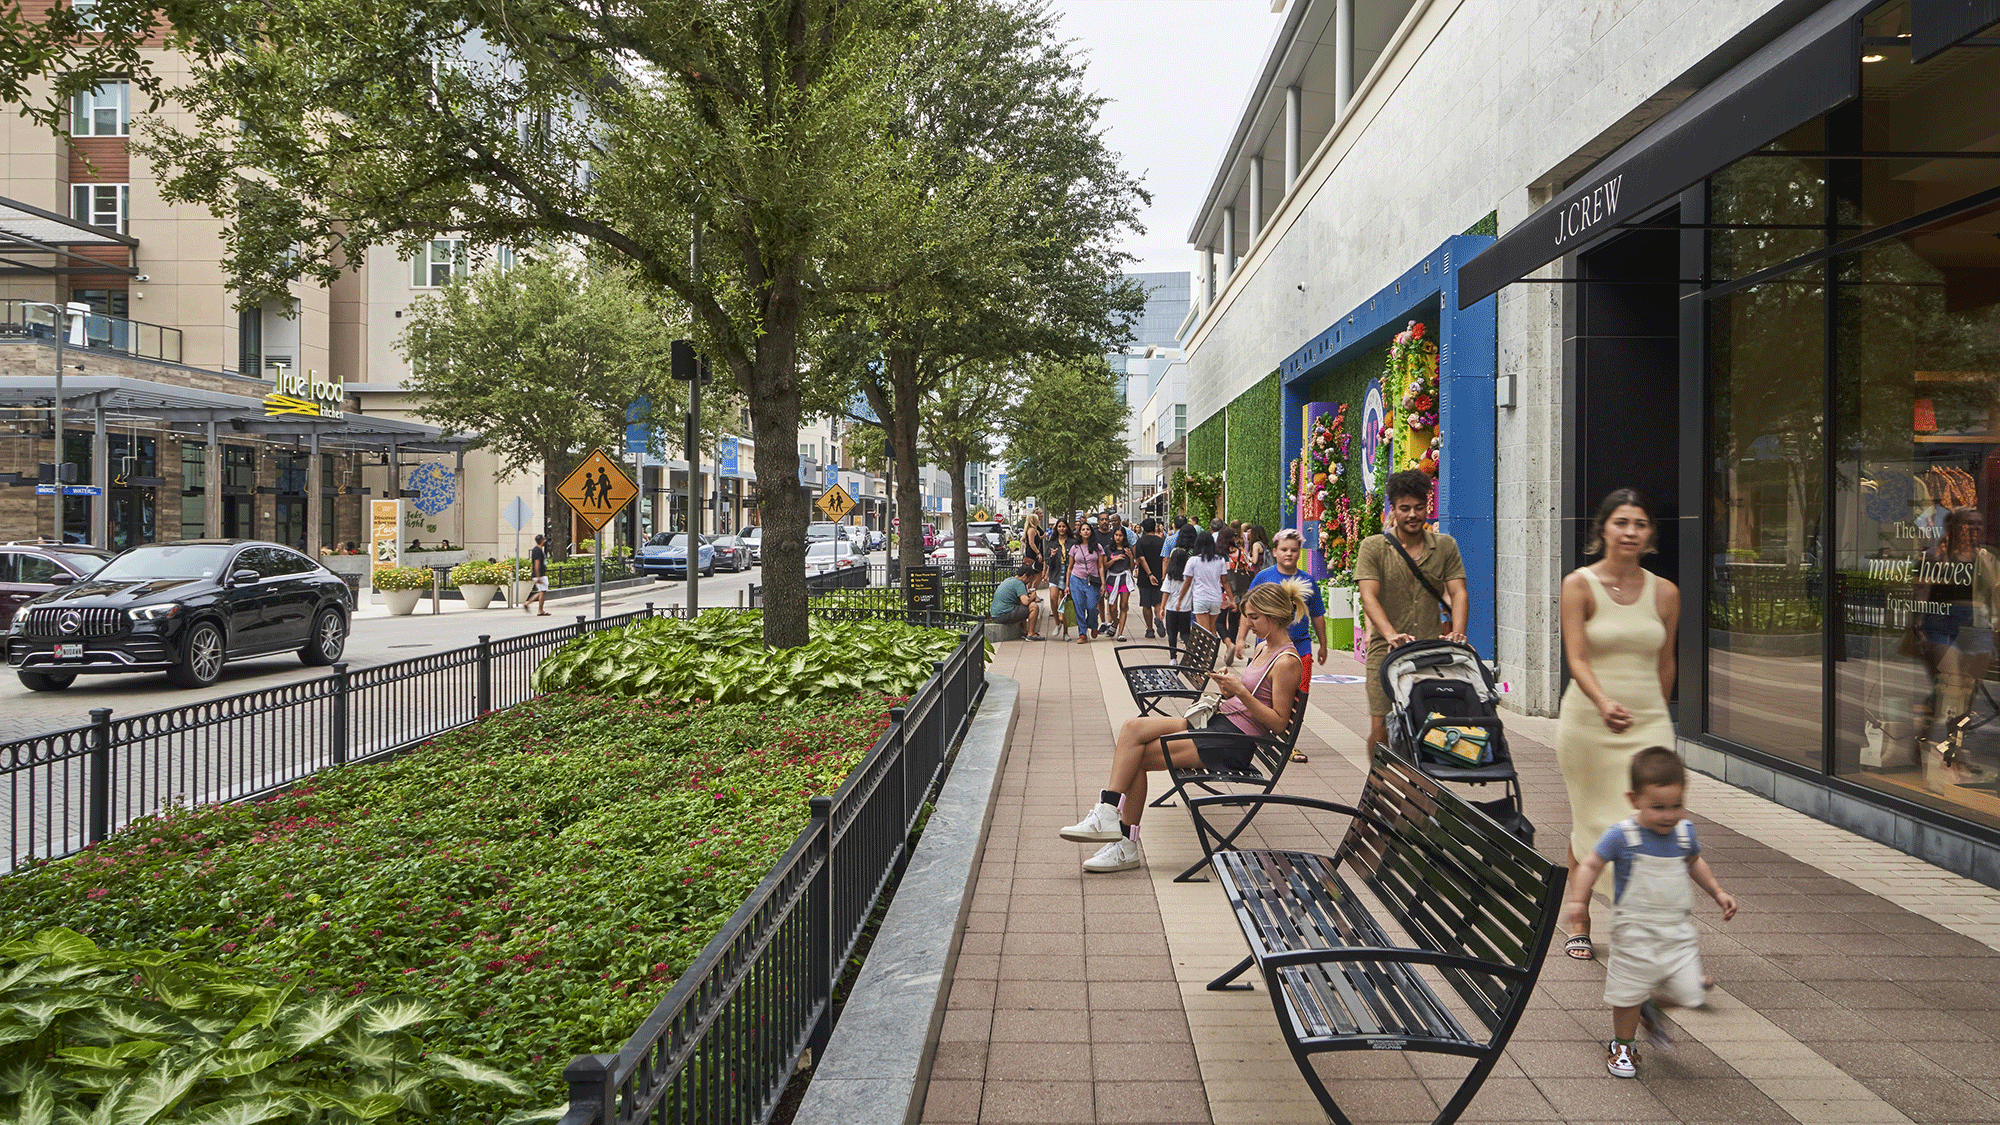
401, 602
1339, 600
478, 596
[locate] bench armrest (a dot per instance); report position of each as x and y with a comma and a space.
1388, 954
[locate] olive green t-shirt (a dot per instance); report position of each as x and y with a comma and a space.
1410, 607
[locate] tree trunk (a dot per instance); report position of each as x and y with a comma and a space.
772, 381
961, 519
555, 509
902, 423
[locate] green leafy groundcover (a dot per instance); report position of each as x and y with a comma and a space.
539, 879
720, 656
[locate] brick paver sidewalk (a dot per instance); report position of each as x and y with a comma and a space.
1856, 985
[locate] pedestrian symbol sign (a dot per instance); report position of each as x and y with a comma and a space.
597, 490
836, 503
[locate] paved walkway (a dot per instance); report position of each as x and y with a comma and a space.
1856, 986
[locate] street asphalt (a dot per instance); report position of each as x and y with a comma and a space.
377, 638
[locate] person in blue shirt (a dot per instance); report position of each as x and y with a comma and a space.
1013, 604
1285, 551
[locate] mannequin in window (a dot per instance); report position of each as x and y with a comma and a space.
1955, 595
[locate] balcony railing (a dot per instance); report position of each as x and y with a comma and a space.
20, 318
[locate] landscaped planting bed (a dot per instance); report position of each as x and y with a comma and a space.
539, 879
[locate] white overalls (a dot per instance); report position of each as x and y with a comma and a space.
1654, 946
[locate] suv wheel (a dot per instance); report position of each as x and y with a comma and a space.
327, 640
47, 681
202, 655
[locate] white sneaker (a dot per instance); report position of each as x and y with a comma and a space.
1118, 855
1098, 825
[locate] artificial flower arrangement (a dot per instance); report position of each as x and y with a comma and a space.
1325, 463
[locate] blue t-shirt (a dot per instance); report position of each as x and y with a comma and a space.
1007, 597
1302, 629
1613, 849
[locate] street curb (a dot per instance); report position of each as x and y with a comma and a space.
876, 1068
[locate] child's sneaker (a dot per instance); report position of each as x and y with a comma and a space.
1621, 1059
1654, 1023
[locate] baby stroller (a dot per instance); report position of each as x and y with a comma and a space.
1444, 716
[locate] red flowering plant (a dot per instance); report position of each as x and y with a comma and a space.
539, 878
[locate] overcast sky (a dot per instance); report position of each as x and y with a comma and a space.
1176, 73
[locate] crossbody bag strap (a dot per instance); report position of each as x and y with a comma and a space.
1412, 564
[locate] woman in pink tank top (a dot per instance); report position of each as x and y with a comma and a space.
1256, 704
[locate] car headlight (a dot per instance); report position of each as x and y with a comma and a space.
153, 612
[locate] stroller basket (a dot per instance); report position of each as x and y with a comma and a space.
1443, 699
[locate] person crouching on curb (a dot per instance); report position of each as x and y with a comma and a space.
1256, 703
1654, 946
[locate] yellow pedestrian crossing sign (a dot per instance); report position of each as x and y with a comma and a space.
597, 490
835, 503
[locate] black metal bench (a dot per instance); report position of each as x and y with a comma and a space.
1268, 758
1154, 685
1471, 906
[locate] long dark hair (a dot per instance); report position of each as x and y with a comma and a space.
1177, 556
1225, 540
1204, 546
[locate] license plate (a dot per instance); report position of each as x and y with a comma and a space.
72, 650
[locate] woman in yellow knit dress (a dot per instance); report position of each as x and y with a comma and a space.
1618, 637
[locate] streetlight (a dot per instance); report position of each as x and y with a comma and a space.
73, 308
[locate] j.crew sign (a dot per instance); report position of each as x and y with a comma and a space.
1587, 210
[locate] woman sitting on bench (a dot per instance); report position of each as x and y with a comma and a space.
1256, 704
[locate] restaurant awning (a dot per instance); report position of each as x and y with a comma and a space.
173, 404
1803, 73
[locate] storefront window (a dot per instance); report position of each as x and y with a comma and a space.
1766, 378
1768, 209
1919, 517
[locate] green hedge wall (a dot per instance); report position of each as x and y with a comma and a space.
1256, 463
1206, 444
1488, 226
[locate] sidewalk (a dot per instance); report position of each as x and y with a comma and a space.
1856, 986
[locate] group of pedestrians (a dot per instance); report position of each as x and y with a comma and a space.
1630, 837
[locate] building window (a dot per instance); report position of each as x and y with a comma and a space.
239, 467
101, 205
504, 258
250, 340
103, 112
194, 475
1180, 420
440, 260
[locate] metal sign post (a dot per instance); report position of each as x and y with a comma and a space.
517, 516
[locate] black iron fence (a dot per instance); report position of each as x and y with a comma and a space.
877, 591
71, 788
724, 1043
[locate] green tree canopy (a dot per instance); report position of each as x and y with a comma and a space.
539, 362
961, 424
1066, 439
324, 128
1009, 204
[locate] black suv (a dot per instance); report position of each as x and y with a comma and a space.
28, 569
183, 608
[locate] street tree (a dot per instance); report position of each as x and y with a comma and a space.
322, 129
1066, 438
1011, 203
539, 363
960, 426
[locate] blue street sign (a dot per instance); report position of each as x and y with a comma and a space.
726, 458
68, 490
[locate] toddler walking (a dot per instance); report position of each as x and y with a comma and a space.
1654, 948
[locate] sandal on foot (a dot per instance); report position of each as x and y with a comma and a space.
1299, 756
1579, 948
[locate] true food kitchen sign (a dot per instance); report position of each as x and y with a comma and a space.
305, 393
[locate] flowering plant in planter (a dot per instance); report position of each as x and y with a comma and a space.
402, 578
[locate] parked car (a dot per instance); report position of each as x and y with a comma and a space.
665, 555
991, 533
753, 537
878, 540
731, 553
857, 535
815, 532
184, 608
946, 556
829, 555
29, 570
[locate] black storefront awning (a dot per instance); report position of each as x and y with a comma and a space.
1803, 73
